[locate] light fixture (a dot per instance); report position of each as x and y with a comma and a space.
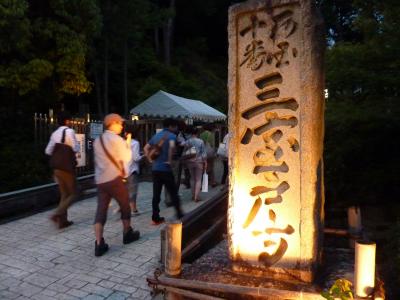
364, 268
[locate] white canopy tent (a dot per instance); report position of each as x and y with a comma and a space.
165, 105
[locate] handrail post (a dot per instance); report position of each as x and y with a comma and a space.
173, 249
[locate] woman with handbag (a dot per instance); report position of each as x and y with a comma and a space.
61, 149
195, 156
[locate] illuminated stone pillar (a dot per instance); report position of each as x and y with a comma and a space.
276, 109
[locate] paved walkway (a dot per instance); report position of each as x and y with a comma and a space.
39, 262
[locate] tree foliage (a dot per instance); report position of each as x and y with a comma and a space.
87, 51
362, 117
45, 45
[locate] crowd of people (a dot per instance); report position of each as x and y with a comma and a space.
174, 150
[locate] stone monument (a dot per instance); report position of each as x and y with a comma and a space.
276, 108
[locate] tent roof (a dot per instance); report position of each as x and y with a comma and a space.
165, 105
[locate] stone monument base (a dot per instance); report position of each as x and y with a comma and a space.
300, 276
212, 276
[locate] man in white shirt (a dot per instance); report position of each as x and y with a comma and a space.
66, 179
112, 156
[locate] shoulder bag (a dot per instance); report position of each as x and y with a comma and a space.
155, 150
189, 153
63, 157
120, 165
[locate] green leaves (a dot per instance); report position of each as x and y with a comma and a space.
341, 289
46, 42
363, 78
28, 77
14, 26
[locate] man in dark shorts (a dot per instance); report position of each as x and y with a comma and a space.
112, 155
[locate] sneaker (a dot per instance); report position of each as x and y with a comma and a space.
100, 249
131, 236
135, 212
158, 220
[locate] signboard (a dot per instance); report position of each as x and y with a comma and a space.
96, 129
81, 155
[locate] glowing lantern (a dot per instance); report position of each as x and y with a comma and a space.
364, 273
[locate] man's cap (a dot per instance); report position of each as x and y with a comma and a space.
112, 118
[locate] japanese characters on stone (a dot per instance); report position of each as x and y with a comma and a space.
269, 129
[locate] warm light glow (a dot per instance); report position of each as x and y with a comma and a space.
250, 241
364, 273
135, 118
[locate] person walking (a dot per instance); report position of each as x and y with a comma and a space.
196, 164
63, 166
209, 141
112, 155
181, 139
133, 178
159, 151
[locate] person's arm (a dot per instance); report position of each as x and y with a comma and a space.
146, 150
50, 146
171, 150
135, 151
203, 153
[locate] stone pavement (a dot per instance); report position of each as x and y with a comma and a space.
40, 262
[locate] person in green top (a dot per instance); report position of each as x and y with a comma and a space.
208, 138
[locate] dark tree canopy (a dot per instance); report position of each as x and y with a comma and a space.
99, 56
